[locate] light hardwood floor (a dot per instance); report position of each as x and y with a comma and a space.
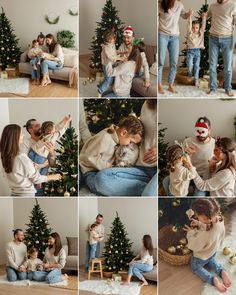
180, 280
151, 289
84, 61
6, 289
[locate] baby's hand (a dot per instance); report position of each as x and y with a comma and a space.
204, 15
194, 223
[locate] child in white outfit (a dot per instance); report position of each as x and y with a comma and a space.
33, 263
93, 240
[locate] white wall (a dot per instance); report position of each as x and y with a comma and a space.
138, 214
137, 13
180, 115
7, 225
27, 18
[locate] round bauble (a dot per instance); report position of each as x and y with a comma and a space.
66, 194
174, 229
185, 251
183, 241
226, 251
171, 249
232, 259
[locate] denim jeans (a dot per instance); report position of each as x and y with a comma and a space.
49, 64
35, 74
197, 266
196, 191
193, 62
106, 83
88, 255
30, 275
51, 277
138, 268
170, 43
226, 46
14, 275
93, 249
36, 158
119, 181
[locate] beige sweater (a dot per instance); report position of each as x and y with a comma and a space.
149, 120
16, 254
60, 259
169, 22
196, 40
180, 179
58, 53
222, 18
100, 230
205, 243
32, 264
203, 154
23, 177
33, 52
108, 54
98, 151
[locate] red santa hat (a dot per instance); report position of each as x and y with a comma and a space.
128, 31
201, 129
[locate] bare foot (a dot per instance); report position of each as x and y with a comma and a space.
219, 286
197, 84
225, 279
210, 92
43, 83
229, 93
144, 283
65, 277
190, 79
172, 89
160, 89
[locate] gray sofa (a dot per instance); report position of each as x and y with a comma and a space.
71, 249
152, 275
71, 60
137, 85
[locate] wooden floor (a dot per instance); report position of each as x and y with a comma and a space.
54, 90
37, 290
151, 289
84, 61
180, 280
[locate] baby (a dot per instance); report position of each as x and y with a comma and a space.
93, 240
180, 175
33, 263
38, 152
108, 54
195, 42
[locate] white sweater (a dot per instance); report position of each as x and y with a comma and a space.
60, 259
146, 258
16, 254
23, 177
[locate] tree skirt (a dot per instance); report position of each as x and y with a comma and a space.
16, 86
192, 91
102, 287
3, 280
230, 240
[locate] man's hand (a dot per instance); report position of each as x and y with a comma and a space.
22, 268
150, 157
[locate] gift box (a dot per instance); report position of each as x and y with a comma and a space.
116, 278
203, 84
3, 75
12, 73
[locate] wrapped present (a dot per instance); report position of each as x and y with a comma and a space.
3, 75
203, 84
116, 278
12, 73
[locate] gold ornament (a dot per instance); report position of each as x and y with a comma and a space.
226, 251
183, 241
171, 249
67, 194
190, 213
185, 251
60, 190
174, 229
85, 83
179, 247
232, 259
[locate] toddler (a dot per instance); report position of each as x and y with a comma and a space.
38, 152
93, 240
195, 41
180, 175
205, 236
109, 54
33, 263
98, 152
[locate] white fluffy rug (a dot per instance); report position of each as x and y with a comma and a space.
230, 240
16, 86
102, 287
3, 280
192, 91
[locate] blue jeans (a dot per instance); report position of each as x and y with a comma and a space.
14, 275
138, 268
226, 46
35, 74
93, 249
193, 62
88, 255
197, 266
118, 181
106, 83
196, 191
51, 277
36, 158
172, 44
49, 64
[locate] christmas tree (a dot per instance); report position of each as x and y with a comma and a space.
66, 165
9, 50
37, 232
109, 21
204, 64
162, 152
101, 113
117, 252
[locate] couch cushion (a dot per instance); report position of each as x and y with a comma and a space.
72, 245
24, 56
71, 60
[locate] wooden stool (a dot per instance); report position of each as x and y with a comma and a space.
97, 262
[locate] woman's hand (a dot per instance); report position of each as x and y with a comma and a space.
187, 228
146, 83
194, 223
150, 157
22, 268
46, 265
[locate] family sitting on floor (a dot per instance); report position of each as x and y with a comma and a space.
206, 164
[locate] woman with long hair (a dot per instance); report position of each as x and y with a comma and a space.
53, 262
20, 172
169, 12
124, 74
142, 262
55, 62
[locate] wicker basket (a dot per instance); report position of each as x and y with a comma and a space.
182, 77
166, 256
